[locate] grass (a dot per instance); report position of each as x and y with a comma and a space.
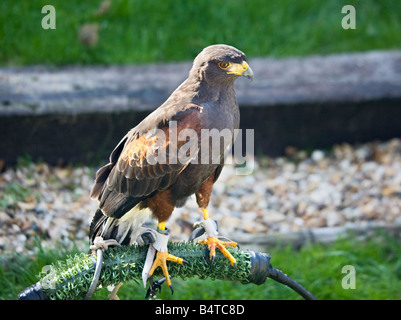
318, 267
134, 31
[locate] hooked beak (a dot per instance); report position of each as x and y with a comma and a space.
243, 70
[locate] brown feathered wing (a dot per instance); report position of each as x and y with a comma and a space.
144, 162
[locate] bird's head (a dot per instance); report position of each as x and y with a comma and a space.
221, 63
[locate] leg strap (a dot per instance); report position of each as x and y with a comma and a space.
99, 245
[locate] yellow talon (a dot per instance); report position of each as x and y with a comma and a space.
214, 243
161, 261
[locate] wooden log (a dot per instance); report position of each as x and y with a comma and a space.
78, 114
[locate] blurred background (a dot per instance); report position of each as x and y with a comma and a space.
325, 190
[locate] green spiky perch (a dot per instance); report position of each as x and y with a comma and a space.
71, 279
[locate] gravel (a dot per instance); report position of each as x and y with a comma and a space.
346, 186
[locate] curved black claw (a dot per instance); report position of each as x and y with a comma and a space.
155, 287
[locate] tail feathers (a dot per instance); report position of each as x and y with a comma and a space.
96, 225
109, 228
119, 229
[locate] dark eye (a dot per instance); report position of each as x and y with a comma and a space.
224, 64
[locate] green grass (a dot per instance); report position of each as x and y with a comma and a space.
134, 31
317, 267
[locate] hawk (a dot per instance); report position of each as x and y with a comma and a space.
145, 177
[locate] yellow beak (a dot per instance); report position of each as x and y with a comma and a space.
241, 70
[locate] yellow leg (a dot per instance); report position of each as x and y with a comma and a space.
214, 242
162, 258
205, 213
